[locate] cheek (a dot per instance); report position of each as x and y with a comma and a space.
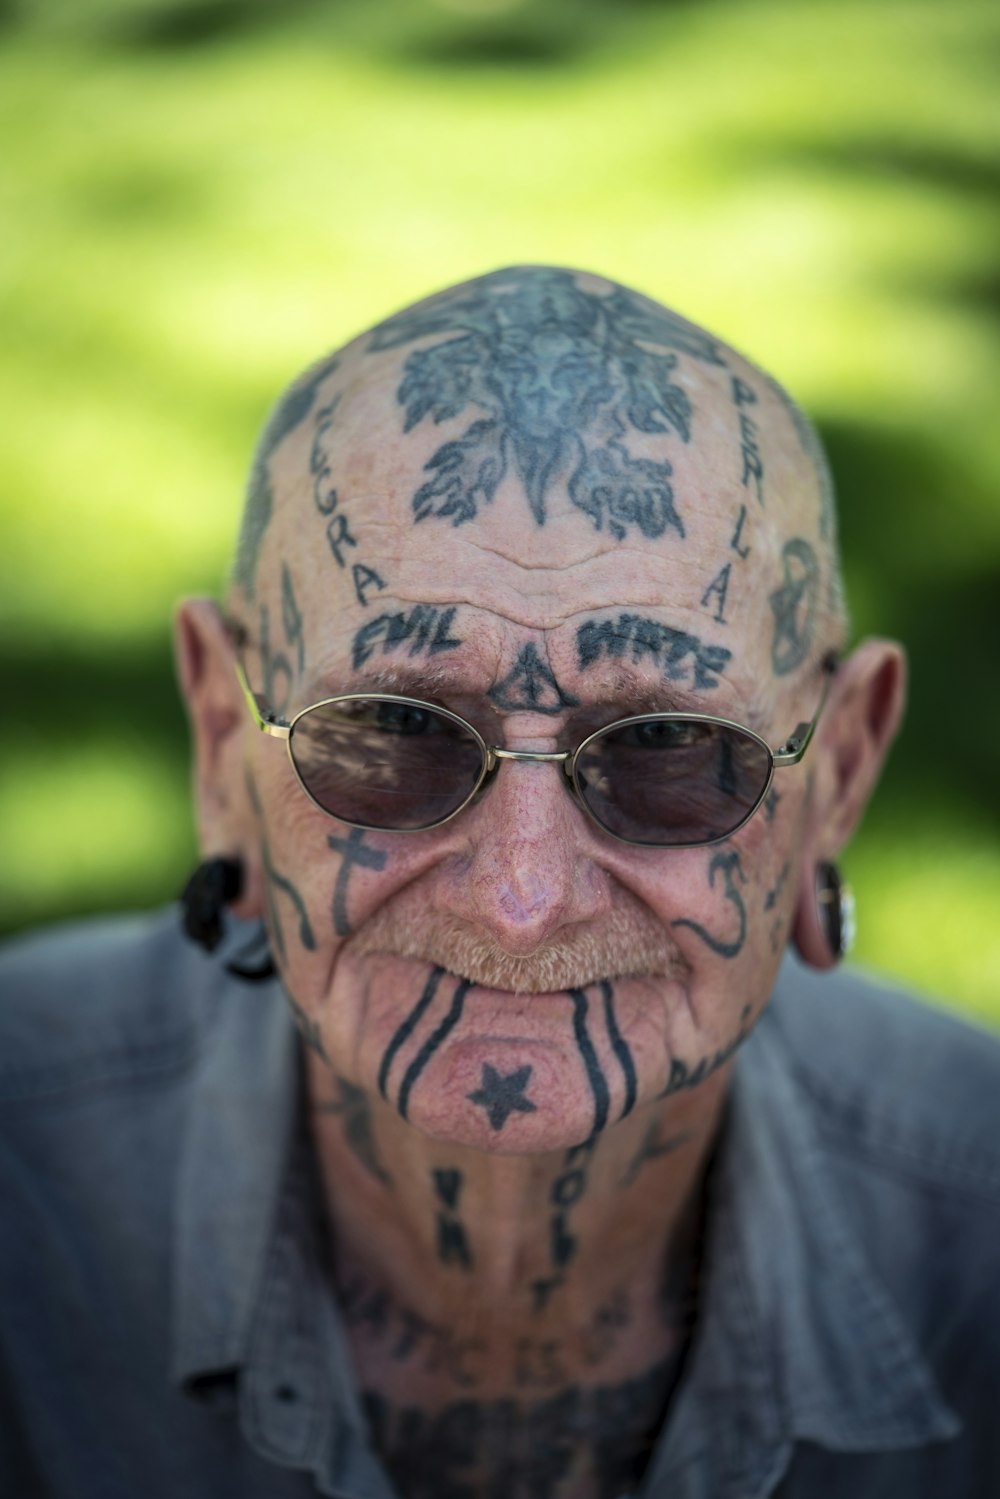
727, 907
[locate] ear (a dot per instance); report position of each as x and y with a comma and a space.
859, 723
220, 725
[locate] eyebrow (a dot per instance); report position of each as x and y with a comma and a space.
625, 691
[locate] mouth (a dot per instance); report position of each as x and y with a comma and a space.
615, 951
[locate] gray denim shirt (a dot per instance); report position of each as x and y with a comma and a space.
165, 1327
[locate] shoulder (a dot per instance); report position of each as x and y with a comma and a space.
88, 1001
893, 1073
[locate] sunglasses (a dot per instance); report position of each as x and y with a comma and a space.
387, 763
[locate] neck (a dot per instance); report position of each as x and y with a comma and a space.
461, 1271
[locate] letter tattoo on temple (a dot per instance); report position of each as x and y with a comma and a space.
328, 502
677, 654
715, 594
753, 465
560, 377
292, 409
794, 606
742, 552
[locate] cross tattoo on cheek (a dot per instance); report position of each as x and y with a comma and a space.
352, 850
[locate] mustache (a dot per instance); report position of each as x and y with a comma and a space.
628, 942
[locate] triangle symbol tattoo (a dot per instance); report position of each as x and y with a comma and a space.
530, 684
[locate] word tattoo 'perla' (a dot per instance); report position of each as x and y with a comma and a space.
328, 502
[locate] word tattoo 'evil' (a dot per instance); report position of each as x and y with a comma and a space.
562, 376
677, 653
423, 628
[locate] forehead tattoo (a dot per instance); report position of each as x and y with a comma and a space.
558, 379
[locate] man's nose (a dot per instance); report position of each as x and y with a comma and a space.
529, 866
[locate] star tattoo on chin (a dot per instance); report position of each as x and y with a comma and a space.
502, 1094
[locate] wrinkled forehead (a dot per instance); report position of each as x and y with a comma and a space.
541, 466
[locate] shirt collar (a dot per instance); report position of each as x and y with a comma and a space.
799, 1339
238, 1134
253, 1317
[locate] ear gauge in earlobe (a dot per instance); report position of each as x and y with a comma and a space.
835, 901
824, 926
213, 886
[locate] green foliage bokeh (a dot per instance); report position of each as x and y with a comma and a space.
199, 198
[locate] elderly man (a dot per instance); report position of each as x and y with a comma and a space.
559, 1190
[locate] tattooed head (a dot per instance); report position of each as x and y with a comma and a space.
544, 503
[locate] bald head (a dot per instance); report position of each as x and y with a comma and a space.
537, 420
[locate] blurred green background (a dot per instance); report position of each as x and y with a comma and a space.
199, 198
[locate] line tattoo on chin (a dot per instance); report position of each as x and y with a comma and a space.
429, 1047
560, 379
728, 863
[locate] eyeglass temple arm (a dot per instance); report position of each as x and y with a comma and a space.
795, 746
262, 715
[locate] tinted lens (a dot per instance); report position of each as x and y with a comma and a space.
385, 762
672, 780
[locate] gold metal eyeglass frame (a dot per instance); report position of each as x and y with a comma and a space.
789, 752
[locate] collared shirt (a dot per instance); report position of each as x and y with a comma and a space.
166, 1327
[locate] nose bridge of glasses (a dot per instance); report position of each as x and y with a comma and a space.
557, 757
